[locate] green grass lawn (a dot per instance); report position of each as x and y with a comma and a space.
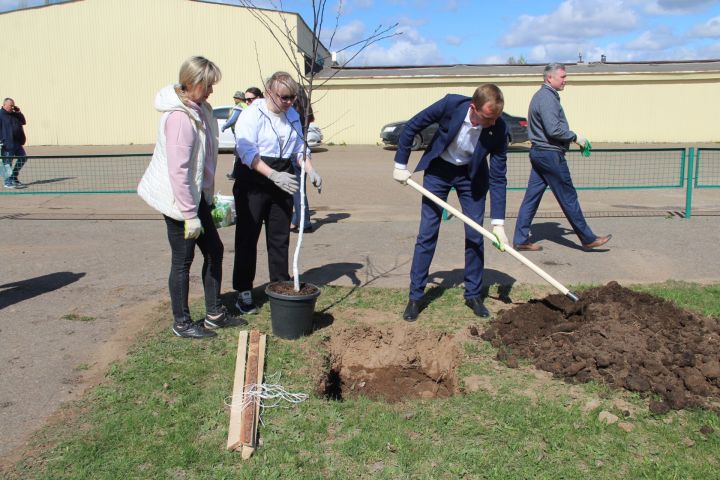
161, 414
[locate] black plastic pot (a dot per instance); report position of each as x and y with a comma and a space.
292, 315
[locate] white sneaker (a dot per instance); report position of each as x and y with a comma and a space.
245, 303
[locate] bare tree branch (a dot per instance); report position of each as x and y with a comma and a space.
288, 38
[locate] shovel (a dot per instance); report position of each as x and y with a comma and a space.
545, 276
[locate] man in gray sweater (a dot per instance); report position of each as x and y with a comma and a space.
550, 136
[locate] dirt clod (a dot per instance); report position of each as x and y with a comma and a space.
624, 338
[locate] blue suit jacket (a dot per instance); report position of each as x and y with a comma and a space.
449, 114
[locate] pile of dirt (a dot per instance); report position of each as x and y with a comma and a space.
392, 364
627, 339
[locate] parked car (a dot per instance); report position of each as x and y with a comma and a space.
314, 136
390, 133
227, 139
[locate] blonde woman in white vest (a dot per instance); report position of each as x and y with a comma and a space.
180, 183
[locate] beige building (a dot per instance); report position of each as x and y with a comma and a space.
86, 72
607, 102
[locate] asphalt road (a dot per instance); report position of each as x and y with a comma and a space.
105, 258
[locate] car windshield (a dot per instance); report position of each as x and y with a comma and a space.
221, 113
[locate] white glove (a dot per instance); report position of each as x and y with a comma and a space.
315, 179
502, 240
580, 140
285, 181
401, 175
193, 228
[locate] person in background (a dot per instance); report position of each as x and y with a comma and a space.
269, 143
470, 130
239, 99
12, 139
304, 109
250, 95
550, 138
180, 183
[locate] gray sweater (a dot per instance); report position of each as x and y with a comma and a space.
547, 126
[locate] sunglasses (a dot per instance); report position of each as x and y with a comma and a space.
249, 99
287, 98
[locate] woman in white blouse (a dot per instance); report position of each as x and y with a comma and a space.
269, 138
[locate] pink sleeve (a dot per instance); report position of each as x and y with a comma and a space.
179, 141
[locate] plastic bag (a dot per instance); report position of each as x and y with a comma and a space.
224, 212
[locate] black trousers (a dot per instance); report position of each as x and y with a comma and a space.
182, 255
258, 201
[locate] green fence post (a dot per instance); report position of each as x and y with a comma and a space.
689, 185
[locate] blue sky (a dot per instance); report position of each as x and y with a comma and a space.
483, 31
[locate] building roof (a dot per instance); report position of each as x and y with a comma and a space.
693, 66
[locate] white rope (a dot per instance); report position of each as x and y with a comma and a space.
270, 395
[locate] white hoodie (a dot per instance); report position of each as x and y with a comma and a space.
155, 187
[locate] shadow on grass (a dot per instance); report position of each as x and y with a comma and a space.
445, 279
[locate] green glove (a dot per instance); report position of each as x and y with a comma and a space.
585, 150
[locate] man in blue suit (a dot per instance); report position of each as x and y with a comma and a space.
470, 130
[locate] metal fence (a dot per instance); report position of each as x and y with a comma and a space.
611, 168
80, 174
707, 168
606, 169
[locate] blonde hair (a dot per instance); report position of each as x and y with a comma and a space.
284, 79
197, 70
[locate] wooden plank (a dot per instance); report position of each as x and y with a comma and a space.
238, 387
248, 411
248, 450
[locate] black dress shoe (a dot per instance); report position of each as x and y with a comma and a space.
412, 311
476, 304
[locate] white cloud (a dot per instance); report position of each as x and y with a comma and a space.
453, 39
557, 52
344, 35
494, 60
411, 22
709, 51
451, 5
709, 29
363, 3
573, 20
676, 7
658, 39
410, 48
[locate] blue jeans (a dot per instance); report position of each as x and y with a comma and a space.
181, 258
296, 205
549, 167
10, 173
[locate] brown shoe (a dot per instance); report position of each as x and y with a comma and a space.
599, 241
528, 247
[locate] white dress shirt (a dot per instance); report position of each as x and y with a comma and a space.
460, 150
